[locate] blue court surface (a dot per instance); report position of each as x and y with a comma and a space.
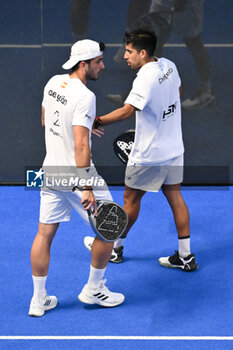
35, 40
164, 308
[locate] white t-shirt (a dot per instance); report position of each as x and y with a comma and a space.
155, 95
67, 102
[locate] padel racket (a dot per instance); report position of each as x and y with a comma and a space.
110, 222
123, 144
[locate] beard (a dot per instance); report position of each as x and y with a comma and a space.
90, 76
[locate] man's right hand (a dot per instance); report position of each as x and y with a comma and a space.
88, 201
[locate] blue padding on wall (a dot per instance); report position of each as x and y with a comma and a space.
20, 22
21, 135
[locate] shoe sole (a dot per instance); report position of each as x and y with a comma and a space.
209, 103
116, 262
177, 267
37, 314
86, 300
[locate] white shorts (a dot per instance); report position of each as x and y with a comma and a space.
151, 178
56, 206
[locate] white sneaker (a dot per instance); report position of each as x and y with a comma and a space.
101, 296
116, 99
116, 255
200, 99
88, 241
39, 306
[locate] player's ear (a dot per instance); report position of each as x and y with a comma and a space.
143, 53
83, 64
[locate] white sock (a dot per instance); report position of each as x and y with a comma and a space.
184, 246
119, 243
95, 277
39, 286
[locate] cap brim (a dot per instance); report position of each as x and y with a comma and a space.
69, 64
72, 62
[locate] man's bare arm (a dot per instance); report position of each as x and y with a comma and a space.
81, 146
118, 114
82, 160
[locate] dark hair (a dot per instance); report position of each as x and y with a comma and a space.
74, 68
142, 39
102, 46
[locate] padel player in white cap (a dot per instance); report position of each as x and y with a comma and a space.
68, 112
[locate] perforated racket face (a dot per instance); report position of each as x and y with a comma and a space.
123, 145
110, 222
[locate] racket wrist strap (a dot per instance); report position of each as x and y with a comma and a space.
86, 189
82, 189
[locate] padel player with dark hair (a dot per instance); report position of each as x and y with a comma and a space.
156, 158
68, 112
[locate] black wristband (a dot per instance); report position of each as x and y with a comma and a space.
81, 189
97, 122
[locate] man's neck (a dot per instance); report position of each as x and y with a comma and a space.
79, 75
148, 60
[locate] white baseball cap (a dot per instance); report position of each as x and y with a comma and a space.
82, 50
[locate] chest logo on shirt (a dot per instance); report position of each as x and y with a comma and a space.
171, 110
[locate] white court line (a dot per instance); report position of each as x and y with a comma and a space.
39, 46
96, 337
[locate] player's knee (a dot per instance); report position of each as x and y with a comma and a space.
132, 201
47, 231
132, 197
174, 197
